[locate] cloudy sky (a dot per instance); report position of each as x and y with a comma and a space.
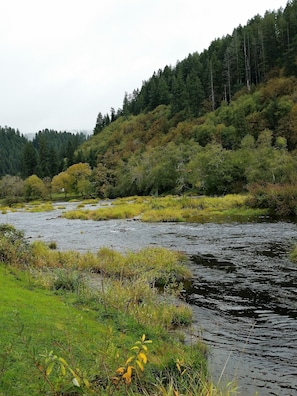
64, 61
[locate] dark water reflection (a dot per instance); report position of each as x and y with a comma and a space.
243, 293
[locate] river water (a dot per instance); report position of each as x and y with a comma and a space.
243, 293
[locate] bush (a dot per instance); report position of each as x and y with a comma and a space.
280, 199
14, 249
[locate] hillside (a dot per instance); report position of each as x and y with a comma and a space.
199, 83
214, 124
251, 139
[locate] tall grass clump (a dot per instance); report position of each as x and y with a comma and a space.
39, 206
126, 211
159, 265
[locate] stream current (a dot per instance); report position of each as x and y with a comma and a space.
243, 293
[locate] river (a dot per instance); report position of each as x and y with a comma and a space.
243, 293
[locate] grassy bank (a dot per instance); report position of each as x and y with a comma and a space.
104, 323
172, 209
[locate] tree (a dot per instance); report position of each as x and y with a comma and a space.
62, 183
12, 188
34, 188
99, 124
69, 154
217, 171
178, 102
78, 173
29, 160
43, 164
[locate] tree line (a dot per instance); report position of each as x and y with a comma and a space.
199, 83
46, 155
251, 140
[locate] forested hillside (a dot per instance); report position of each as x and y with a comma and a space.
201, 82
252, 139
219, 122
215, 123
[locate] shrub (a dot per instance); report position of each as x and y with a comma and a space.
14, 249
52, 245
280, 199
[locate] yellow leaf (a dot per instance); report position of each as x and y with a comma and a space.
72, 372
142, 357
129, 360
120, 370
143, 338
140, 365
144, 347
127, 376
135, 347
86, 382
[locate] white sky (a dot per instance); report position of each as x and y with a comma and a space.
64, 61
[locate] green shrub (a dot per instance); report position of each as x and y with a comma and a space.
14, 249
280, 199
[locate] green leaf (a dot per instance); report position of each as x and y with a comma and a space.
49, 368
63, 361
63, 369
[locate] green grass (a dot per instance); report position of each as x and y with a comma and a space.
59, 322
87, 334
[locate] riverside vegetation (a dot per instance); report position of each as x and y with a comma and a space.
171, 209
104, 323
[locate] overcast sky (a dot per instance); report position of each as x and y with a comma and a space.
64, 61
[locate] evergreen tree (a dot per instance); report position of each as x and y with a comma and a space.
43, 158
29, 160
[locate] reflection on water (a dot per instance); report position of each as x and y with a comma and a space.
243, 293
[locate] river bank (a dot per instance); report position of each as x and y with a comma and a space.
243, 295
